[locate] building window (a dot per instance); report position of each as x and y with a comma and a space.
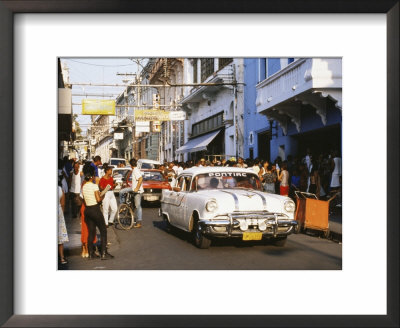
195, 70
273, 66
222, 62
207, 68
209, 124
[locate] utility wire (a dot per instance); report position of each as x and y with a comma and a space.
102, 65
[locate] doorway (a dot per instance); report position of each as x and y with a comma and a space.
264, 145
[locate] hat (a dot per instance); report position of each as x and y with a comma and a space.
202, 160
233, 159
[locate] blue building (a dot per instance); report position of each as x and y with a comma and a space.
292, 105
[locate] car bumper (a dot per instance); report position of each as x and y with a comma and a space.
268, 224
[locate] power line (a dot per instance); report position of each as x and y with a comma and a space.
102, 65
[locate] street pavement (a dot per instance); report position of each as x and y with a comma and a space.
153, 247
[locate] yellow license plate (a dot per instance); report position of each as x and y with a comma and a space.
252, 236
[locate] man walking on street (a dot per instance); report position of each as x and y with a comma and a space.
137, 188
96, 162
75, 189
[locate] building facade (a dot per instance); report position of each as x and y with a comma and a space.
214, 127
301, 101
169, 71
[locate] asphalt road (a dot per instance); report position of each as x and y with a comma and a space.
152, 247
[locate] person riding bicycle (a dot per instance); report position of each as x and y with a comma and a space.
137, 189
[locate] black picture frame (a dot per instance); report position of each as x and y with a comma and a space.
7, 11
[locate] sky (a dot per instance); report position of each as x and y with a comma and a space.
96, 70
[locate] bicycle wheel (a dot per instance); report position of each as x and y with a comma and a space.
125, 217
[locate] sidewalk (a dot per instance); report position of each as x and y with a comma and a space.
74, 246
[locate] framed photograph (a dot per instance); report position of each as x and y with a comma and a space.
35, 34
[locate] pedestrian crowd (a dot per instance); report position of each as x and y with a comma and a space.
81, 192
83, 187
319, 174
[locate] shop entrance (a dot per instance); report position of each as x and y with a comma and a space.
320, 141
264, 145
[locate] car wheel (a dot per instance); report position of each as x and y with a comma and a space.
280, 242
200, 240
298, 227
168, 225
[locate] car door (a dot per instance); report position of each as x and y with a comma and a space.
175, 201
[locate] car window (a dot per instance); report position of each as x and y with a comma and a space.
153, 176
147, 166
187, 183
181, 183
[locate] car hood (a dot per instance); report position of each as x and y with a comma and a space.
240, 200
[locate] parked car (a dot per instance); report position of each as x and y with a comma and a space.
153, 184
118, 174
114, 162
227, 202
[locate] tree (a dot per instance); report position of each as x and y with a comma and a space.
78, 130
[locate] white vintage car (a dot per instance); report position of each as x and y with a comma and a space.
226, 202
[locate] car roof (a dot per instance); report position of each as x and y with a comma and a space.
207, 169
150, 161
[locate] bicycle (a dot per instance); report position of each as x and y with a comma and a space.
125, 213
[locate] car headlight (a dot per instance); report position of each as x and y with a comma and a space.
289, 206
211, 205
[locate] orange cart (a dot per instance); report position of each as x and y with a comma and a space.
312, 213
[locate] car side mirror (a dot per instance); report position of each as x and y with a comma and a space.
176, 189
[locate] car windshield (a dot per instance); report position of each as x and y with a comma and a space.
154, 176
119, 173
227, 180
150, 166
115, 162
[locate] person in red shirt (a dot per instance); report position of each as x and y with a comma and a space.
109, 201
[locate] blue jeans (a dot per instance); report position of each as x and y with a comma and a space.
137, 199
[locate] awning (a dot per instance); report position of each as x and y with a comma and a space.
198, 144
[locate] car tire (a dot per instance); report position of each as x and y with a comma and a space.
298, 228
280, 242
200, 240
168, 225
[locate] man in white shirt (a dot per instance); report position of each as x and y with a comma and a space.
137, 188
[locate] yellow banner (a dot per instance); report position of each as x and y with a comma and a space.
151, 115
98, 107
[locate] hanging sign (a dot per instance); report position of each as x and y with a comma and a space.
118, 136
159, 115
98, 107
177, 116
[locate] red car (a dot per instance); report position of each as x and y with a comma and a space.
153, 184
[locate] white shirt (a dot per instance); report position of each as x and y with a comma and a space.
175, 168
180, 169
256, 169
88, 190
136, 175
75, 183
